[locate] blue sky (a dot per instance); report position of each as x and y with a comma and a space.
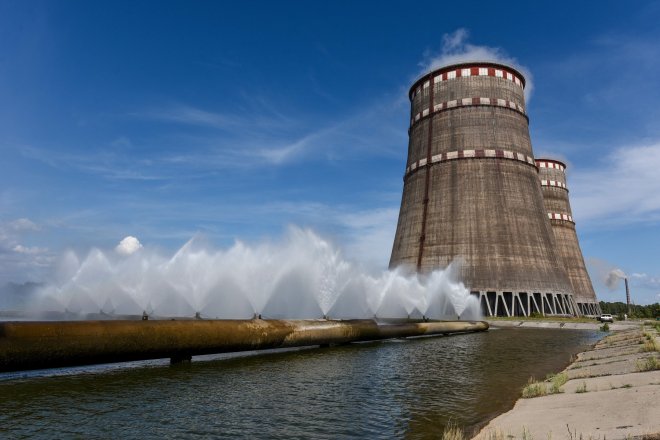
163, 120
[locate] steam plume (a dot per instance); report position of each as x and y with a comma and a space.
456, 49
613, 278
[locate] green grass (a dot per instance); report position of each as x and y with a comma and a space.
534, 389
538, 389
556, 382
650, 345
581, 388
648, 364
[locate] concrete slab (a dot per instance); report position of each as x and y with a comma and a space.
621, 402
607, 383
613, 414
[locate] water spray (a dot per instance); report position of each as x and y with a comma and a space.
301, 276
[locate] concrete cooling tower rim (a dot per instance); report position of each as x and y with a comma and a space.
547, 162
470, 64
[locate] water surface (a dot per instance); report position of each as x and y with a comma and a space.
392, 389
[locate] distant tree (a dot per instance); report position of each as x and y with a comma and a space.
636, 311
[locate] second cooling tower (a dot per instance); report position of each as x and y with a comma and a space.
552, 175
471, 192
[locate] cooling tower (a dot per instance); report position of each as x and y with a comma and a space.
555, 195
471, 192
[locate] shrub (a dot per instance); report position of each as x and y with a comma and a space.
605, 328
650, 345
648, 364
558, 381
581, 388
534, 389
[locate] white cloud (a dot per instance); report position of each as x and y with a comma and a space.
621, 189
280, 155
647, 281
184, 114
34, 250
23, 224
129, 245
456, 49
376, 128
20, 262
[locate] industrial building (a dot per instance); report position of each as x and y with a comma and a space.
474, 192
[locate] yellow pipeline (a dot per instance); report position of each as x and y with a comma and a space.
32, 345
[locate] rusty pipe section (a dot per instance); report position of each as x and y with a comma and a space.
35, 345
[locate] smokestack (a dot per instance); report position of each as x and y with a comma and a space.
471, 192
625, 280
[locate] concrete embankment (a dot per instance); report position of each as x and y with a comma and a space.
604, 394
595, 325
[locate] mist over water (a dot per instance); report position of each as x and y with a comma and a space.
301, 276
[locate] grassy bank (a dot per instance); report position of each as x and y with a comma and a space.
585, 399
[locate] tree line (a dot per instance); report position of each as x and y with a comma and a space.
619, 308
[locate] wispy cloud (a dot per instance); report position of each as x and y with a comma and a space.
647, 281
23, 224
101, 162
18, 258
374, 129
606, 78
457, 49
34, 250
621, 189
188, 115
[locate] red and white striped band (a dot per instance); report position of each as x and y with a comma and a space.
468, 102
463, 72
553, 183
469, 154
558, 216
551, 164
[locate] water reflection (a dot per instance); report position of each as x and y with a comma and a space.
392, 389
